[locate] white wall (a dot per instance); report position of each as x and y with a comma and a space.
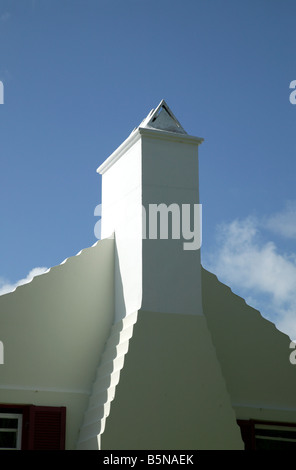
171, 393
54, 331
254, 355
121, 214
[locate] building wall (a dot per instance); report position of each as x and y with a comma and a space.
253, 353
171, 393
105, 384
54, 331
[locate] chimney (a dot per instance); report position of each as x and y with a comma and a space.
150, 203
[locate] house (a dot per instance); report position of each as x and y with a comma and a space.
132, 344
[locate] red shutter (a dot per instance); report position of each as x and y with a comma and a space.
46, 428
247, 432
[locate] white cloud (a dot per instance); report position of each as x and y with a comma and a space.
255, 269
283, 223
6, 287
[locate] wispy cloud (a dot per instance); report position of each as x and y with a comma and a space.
6, 287
283, 223
256, 268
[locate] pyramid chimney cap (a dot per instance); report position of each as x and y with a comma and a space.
162, 119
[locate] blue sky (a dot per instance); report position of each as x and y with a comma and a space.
79, 75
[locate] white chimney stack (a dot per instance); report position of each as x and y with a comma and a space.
150, 201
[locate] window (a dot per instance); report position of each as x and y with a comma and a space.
10, 431
267, 435
29, 427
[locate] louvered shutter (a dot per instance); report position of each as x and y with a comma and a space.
46, 428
